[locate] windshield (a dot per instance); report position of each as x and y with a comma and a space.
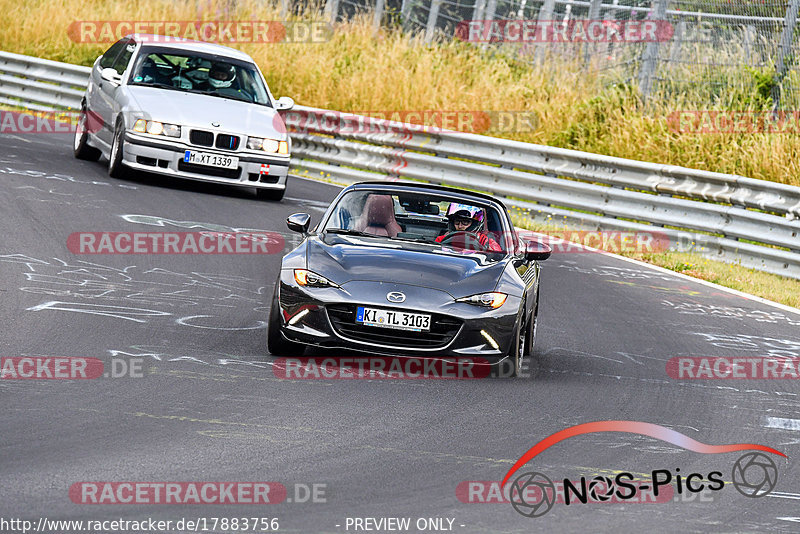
194, 73
419, 222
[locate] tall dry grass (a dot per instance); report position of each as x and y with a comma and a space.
357, 70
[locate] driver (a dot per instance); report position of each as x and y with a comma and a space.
462, 218
220, 76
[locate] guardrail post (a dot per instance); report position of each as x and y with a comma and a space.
749, 42
477, 12
784, 50
378, 15
433, 16
332, 10
677, 42
650, 56
594, 14
405, 8
545, 14
491, 8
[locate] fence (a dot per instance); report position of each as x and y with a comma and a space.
726, 217
740, 52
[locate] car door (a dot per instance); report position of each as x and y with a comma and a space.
116, 94
95, 100
527, 270
105, 103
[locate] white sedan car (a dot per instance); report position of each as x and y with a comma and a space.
187, 109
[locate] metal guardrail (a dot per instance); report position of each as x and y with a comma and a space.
725, 217
41, 84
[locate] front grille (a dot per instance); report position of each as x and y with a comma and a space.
228, 142
201, 137
210, 171
263, 178
443, 330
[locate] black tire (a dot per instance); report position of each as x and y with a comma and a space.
531, 338
270, 194
515, 354
276, 343
80, 147
116, 169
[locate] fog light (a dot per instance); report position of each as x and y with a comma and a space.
490, 340
296, 319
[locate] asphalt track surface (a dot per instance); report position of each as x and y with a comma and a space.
211, 408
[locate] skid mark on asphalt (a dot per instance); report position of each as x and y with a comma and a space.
154, 220
665, 382
731, 312
249, 436
162, 289
186, 419
683, 290
444, 456
623, 357
766, 346
31, 173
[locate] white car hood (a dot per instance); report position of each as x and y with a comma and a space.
200, 111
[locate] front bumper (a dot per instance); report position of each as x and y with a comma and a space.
165, 156
463, 332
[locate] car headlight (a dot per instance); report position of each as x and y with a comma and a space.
157, 128
273, 146
307, 278
488, 300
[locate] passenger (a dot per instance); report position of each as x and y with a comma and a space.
469, 220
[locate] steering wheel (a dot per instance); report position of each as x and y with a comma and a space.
465, 240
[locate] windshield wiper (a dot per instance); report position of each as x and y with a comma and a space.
158, 85
415, 240
345, 231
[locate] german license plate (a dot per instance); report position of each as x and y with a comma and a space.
211, 160
416, 322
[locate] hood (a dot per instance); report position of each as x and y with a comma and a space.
341, 261
192, 109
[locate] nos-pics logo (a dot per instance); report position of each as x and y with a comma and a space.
533, 494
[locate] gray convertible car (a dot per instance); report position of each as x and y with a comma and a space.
186, 109
409, 270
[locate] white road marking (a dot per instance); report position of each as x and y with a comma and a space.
782, 423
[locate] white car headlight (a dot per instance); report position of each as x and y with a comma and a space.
157, 128
273, 146
304, 277
488, 300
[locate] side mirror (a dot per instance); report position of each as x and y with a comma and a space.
299, 222
535, 251
284, 103
110, 75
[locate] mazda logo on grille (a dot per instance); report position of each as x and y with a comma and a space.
395, 296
